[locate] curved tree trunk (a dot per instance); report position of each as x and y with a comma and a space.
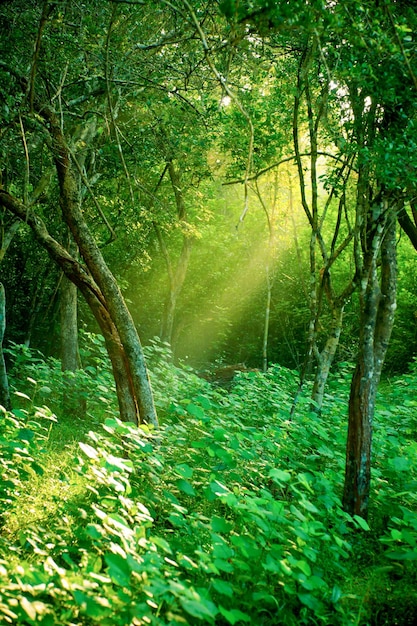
128, 405
136, 370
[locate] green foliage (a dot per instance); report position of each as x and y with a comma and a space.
229, 515
93, 383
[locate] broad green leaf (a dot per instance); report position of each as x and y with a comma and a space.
309, 506
400, 464
28, 608
119, 570
234, 616
204, 401
96, 607
220, 525
185, 486
266, 598
361, 522
184, 470
161, 543
218, 488
271, 565
195, 410
304, 567
223, 587
409, 555
223, 566
311, 601
115, 463
396, 534
279, 476
25, 434
199, 608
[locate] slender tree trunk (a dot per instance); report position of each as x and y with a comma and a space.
377, 308
176, 277
4, 383
325, 359
266, 320
72, 402
176, 282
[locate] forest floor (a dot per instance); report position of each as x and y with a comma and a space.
230, 514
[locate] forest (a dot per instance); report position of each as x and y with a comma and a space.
208, 312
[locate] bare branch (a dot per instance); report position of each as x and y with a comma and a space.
223, 82
111, 109
42, 24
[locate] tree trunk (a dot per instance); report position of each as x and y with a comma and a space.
136, 370
325, 359
266, 320
176, 278
128, 406
73, 404
4, 383
377, 308
176, 281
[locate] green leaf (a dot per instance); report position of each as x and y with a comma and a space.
88, 450
223, 587
28, 608
119, 570
25, 434
361, 522
115, 463
161, 543
204, 401
304, 567
195, 410
201, 608
95, 607
309, 506
220, 525
311, 601
400, 464
234, 615
396, 534
184, 470
185, 486
409, 555
279, 476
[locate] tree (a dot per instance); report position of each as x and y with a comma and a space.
376, 105
95, 279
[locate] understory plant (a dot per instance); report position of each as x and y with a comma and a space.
229, 514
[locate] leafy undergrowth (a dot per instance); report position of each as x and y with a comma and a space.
230, 514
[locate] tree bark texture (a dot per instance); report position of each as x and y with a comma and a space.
4, 383
72, 402
325, 358
377, 309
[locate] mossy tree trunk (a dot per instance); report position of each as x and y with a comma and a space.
377, 309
